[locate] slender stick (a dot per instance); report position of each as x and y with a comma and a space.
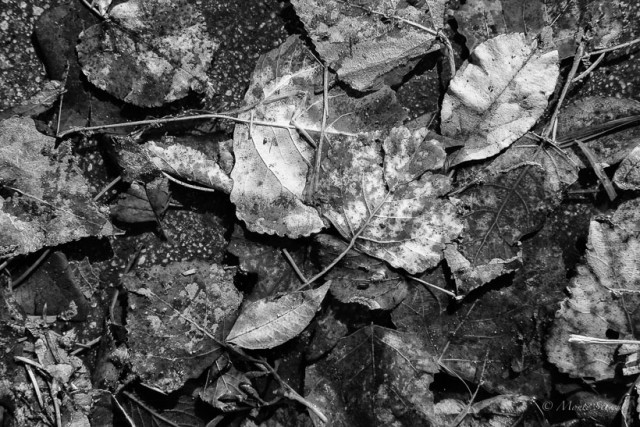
610, 49
26, 274
107, 188
294, 266
149, 410
451, 294
590, 69
583, 339
325, 112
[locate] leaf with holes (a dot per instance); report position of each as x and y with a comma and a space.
363, 45
172, 320
267, 323
275, 148
371, 371
392, 206
603, 297
45, 199
503, 202
497, 95
148, 53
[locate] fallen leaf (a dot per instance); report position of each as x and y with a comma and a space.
38, 103
391, 204
45, 200
134, 206
361, 44
228, 390
497, 95
627, 176
148, 53
275, 148
603, 296
189, 164
267, 323
370, 372
358, 278
171, 320
501, 203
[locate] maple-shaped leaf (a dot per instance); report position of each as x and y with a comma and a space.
44, 199
274, 150
371, 371
269, 322
362, 46
148, 52
603, 295
502, 202
172, 320
391, 204
497, 95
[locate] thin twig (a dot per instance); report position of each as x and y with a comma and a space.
36, 387
610, 49
325, 112
294, 266
583, 339
451, 294
92, 9
187, 185
446, 346
187, 118
604, 179
108, 187
124, 412
462, 415
26, 274
85, 346
590, 69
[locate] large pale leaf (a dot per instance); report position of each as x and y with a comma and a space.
603, 297
148, 52
393, 204
45, 200
267, 323
273, 155
172, 318
362, 46
497, 95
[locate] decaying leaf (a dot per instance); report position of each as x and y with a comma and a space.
360, 279
38, 103
371, 372
392, 205
267, 323
44, 199
188, 163
502, 202
499, 411
275, 149
627, 176
171, 319
604, 295
143, 203
362, 46
148, 52
497, 95
230, 389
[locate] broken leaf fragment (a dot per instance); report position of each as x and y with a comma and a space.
267, 323
603, 294
148, 53
392, 205
44, 199
497, 95
172, 320
361, 45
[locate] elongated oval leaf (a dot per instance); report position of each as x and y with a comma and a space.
267, 323
498, 95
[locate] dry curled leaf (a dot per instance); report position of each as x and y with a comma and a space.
267, 323
604, 294
148, 53
361, 45
44, 199
497, 95
392, 205
171, 319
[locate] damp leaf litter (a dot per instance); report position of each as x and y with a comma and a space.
318, 250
